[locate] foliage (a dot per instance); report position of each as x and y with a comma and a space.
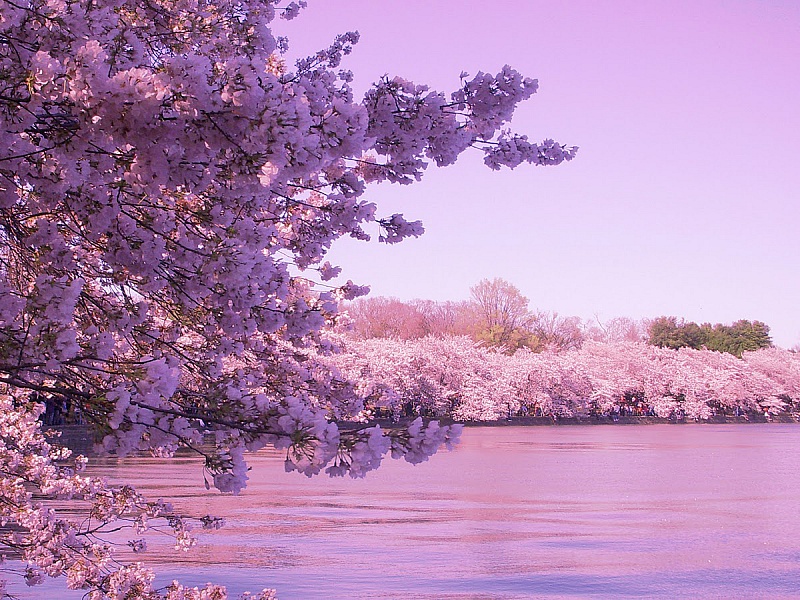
743, 335
737, 338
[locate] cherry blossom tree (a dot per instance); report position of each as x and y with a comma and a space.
781, 369
455, 377
433, 376
169, 189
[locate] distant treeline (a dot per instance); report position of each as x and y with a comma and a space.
498, 315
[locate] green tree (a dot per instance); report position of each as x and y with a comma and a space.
743, 335
740, 337
668, 332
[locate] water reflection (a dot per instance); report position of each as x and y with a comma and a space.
562, 512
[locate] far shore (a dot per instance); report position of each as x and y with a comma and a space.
584, 421
632, 420
78, 438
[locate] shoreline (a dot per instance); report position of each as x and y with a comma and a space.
582, 421
80, 440
591, 421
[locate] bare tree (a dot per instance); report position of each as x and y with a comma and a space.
445, 318
502, 314
553, 331
382, 317
618, 329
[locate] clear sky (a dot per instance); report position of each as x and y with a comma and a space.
684, 198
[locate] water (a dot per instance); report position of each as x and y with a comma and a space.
663, 511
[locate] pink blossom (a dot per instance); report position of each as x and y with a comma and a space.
169, 190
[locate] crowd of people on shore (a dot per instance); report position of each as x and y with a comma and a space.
58, 410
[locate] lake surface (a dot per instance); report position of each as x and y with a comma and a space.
661, 511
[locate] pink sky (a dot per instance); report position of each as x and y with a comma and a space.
684, 197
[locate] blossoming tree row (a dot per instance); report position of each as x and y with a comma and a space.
454, 377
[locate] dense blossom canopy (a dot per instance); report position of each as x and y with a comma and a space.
168, 192
453, 376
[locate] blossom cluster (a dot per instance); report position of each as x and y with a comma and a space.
45, 543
